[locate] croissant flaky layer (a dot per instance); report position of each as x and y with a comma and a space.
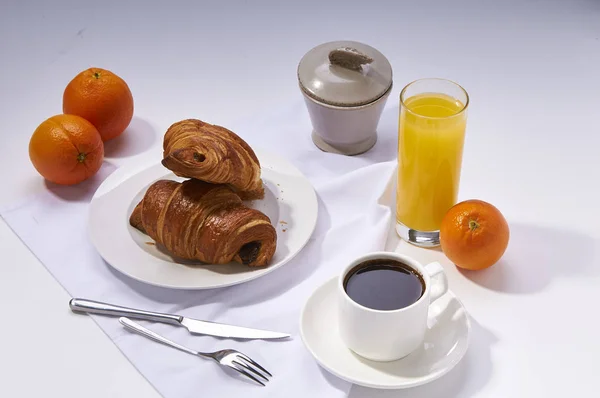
195, 149
207, 222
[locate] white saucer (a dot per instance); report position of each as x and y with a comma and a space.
445, 344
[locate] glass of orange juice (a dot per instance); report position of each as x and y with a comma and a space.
431, 134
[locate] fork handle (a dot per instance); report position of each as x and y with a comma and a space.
97, 307
137, 328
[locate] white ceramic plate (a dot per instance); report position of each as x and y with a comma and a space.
290, 202
445, 344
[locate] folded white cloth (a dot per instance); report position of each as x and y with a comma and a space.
354, 217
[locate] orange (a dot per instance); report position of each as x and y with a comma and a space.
101, 97
66, 149
474, 234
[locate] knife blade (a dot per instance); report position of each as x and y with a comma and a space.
194, 326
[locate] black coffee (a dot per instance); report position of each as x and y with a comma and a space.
384, 284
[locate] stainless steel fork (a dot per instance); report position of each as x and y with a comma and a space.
233, 359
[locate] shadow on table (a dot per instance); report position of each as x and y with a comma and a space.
468, 377
261, 289
137, 138
535, 256
337, 383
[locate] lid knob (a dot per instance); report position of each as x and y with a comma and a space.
349, 58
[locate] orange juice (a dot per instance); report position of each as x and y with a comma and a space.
430, 145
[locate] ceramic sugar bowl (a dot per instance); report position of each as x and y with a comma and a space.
345, 86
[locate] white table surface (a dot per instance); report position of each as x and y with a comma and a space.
531, 68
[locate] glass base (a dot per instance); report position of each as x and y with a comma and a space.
418, 238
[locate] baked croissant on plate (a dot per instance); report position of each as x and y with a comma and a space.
194, 149
197, 220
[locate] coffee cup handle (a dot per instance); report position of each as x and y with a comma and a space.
439, 282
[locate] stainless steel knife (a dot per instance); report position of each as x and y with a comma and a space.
193, 325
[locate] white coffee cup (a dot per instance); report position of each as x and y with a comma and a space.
388, 335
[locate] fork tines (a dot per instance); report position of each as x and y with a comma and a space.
245, 365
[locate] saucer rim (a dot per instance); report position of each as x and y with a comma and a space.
364, 383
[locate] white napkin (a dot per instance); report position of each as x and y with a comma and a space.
354, 217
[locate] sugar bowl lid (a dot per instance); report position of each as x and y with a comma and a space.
344, 73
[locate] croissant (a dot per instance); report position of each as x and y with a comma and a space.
195, 149
197, 220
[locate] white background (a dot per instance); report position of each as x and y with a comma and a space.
530, 67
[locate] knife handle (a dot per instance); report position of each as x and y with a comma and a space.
96, 307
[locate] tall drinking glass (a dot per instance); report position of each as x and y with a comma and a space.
431, 134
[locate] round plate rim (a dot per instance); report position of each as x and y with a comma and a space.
129, 171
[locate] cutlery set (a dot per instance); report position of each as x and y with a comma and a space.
229, 358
